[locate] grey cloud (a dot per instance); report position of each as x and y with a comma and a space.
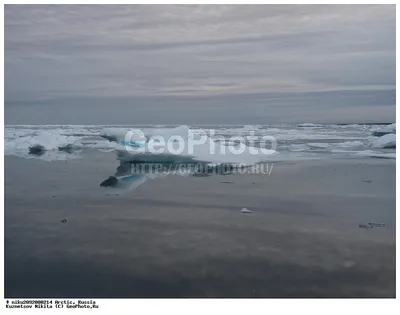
202, 54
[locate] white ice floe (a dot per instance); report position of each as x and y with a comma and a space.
53, 142
352, 145
385, 142
385, 130
245, 210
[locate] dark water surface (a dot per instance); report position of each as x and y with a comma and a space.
185, 236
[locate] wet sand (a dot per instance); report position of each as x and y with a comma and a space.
186, 237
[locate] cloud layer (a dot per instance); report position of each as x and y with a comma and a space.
268, 57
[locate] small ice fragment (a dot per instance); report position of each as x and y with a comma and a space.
371, 225
245, 210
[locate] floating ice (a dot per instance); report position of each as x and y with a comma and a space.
385, 130
371, 224
49, 142
245, 210
385, 142
351, 145
295, 142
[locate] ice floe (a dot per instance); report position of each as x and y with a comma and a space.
387, 141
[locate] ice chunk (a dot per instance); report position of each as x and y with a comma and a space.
245, 210
43, 144
371, 224
385, 142
385, 130
351, 144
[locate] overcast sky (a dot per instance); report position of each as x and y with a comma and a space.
120, 64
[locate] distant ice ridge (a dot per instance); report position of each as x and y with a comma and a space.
294, 142
252, 127
309, 125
